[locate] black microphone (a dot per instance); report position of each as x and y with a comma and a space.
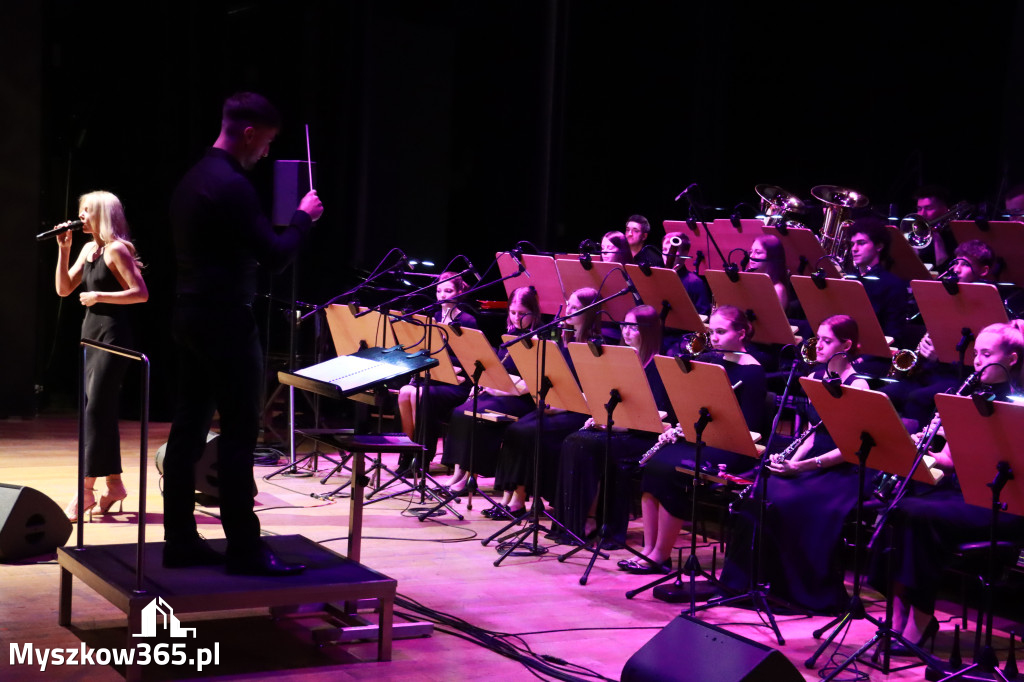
471, 268
517, 256
60, 229
686, 192
589, 246
631, 288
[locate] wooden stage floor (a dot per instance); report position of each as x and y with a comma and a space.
439, 563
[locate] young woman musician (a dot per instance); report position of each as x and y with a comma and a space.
666, 496
109, 269
927, 527
514, 475
523, 315
768, 256
443, 397
583, 453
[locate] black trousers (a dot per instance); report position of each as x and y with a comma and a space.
220, 367
104, 374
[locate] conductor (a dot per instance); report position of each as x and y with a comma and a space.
221, 236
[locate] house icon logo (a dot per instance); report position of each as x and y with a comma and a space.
159, 614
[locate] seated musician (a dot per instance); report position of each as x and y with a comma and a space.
615, 249
523, 315
514, 474
675, 258
768, 256
637, 230
1014, 203
869, 248
583, 453
442, 397
666, 492
929, 523
810, 494
933, 202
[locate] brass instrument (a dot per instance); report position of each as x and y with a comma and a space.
904, 362
695, 343
809, 350
839, 202
777, 202
919, 232
674, 243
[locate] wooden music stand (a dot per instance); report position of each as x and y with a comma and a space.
508, 267
543, 275
753, 293
563, 392
906, 263
471, 346
847, 297
616, 372
985, 448
725, 234
600, 276
1005, 238
803, 250
947, 315
413, 337
663, 290
864, 425
351, 333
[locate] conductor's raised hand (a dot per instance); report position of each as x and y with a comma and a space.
311, 204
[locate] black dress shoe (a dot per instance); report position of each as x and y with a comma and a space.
194, 553
896, 648
640, 567
262, 562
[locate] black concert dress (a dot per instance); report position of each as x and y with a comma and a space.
803, 525
487, 435
104, 372
581, 464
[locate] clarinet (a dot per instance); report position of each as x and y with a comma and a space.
781, 457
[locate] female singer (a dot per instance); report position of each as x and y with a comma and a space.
523, 315
514, 475
768, 256
583, 453
665, 491
443, 398
109, 267
928, 527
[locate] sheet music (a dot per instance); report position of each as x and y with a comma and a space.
349, 371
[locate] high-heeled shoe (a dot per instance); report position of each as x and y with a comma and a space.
896, 648
115, 493
88, 502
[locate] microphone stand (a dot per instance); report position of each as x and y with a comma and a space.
696, 216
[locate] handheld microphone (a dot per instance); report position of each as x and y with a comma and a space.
60, 229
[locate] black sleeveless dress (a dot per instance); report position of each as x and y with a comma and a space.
104, 372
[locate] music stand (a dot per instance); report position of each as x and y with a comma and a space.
954, 318
552, 385
754, 293
983, 446
473, 349
616, 372
906, 263
711, 252
1005, 238
544, 277
803, 250
822, 298
575, 275
892, 450
662, 288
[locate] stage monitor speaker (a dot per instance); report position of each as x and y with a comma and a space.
291, 183
31, 523
688, 650
207, 484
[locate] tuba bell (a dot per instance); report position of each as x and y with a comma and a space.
809, 350
777, 202
839, 202
695, 343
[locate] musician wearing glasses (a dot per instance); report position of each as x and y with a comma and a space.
637, 230
811, 491
870, 242
929, 524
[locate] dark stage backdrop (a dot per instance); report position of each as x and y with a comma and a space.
464, 127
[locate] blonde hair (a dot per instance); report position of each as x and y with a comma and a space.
106, 211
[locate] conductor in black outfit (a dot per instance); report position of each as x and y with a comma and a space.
221, 236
